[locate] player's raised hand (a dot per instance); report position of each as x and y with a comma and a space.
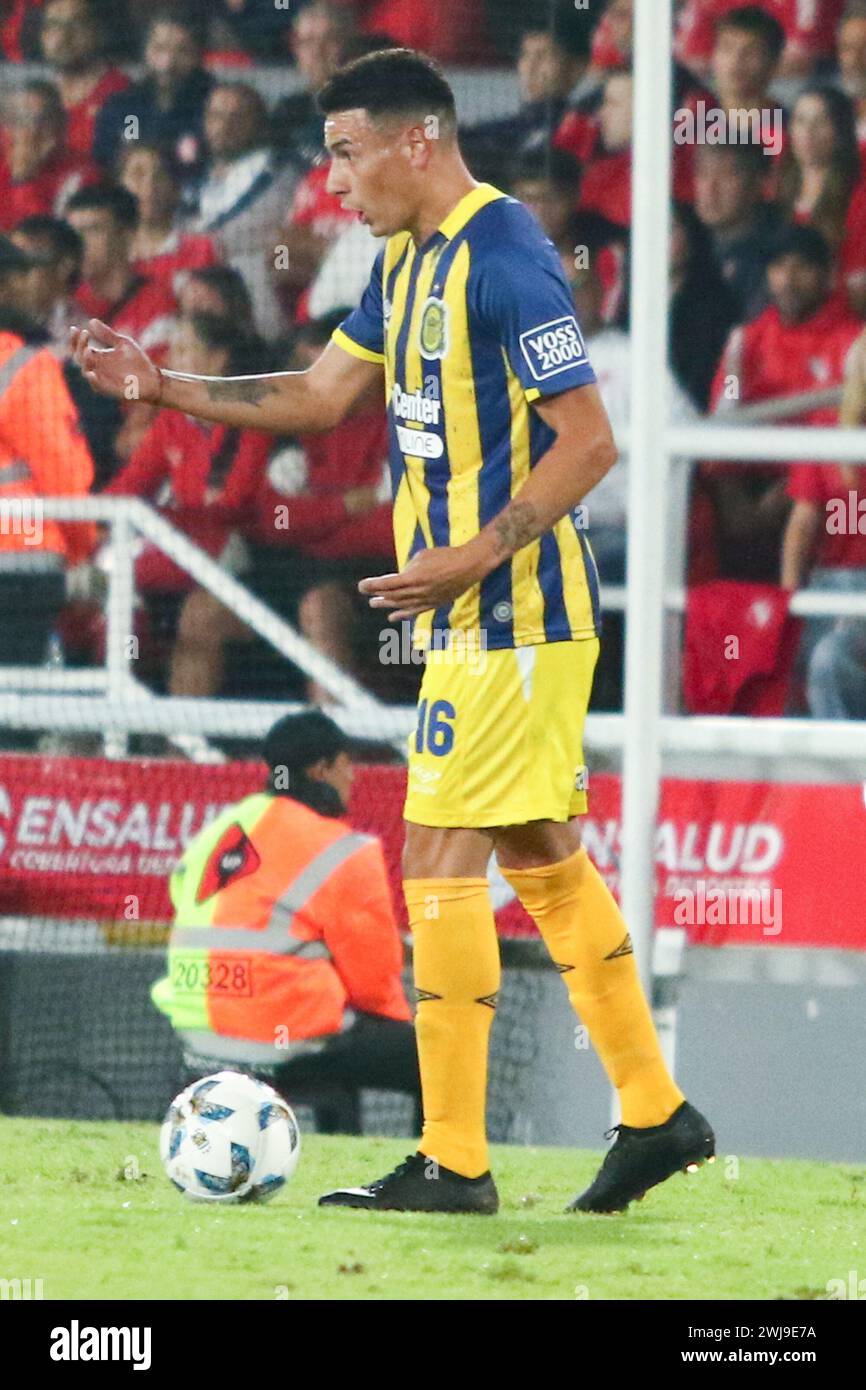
114, 364
431, 579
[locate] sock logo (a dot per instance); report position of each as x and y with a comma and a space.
562, 969
488, 999
423, 995
624, 948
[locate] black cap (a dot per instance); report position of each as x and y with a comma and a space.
805, 242
299, 740
12, 258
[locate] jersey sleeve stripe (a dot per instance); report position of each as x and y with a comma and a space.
349, 345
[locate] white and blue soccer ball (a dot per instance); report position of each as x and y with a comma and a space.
229, 1138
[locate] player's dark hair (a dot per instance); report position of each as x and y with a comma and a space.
391, 82
557, 167
231, 286
107, 197
59, 239
751, 19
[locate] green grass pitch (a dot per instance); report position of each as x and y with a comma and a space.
86, 1208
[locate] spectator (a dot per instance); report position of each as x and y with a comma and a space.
823, 551
37, 172
161, 249
205, 480
303, 876
851, 51
821, 167
549, 65
743, 226
73, 45
256, 26
550, 188
808, 32
702, 307
822, 181
244, 196
325, 518
221, 292
316, 218
318, 40
16, 17
167, 106
747, 50
59, 252
112, 290
799, 343
42, 454
606, 186
613, 37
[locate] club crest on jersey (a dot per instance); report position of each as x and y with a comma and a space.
434, 329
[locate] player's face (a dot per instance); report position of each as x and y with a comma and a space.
375, 170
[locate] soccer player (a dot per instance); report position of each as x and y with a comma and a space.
497, 433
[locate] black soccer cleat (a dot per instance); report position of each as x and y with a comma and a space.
419, 1184
642, 1158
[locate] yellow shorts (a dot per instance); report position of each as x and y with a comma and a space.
499, 739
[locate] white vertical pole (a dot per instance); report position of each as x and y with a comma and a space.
651, 177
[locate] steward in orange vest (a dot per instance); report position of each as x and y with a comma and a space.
284, 957
43, 453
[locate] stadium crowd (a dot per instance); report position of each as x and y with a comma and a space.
162, 168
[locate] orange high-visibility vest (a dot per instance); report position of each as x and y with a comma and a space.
43, 452
283, 924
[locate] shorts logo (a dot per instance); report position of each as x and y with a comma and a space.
553, 347
581, 780
434, 329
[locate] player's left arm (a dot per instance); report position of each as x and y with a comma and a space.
578, 459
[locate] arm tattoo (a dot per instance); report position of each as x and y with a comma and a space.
517, 526
248, 390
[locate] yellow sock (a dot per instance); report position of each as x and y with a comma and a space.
586, 935
457, 974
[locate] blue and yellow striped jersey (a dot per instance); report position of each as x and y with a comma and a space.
472, 327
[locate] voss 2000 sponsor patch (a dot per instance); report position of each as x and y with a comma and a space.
553, 347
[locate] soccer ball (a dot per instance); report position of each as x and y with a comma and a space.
229, 1138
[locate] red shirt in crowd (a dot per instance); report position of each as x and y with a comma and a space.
604, 52
606, 184
350, 456
48, 191
453, 31
810, 26
146, 312
181, 254
81, 118
11, 25
204, 478
841, 545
